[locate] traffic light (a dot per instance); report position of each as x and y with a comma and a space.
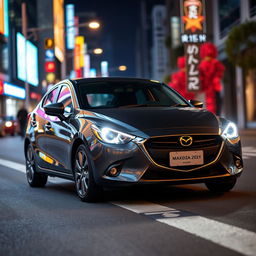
48, 43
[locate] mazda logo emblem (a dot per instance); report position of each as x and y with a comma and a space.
186, 141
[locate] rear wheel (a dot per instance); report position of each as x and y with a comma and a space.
86, 188
34, 178
221, 186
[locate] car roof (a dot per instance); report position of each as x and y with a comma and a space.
112, 79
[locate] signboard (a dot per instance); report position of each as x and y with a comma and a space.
1, 87
14, 91
58, 29
4, 26
49, 55
193, 34
79, 55
50, 66
80, 42
93, 72
70, 24
49, 43
104, 68
27, 60
87, 65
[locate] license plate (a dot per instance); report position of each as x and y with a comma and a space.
185, 158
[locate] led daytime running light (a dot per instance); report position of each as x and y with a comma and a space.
230, 132
111, 136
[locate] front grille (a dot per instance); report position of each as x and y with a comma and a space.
159, 148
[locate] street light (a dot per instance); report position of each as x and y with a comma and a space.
98, 51
94, 25
122, 68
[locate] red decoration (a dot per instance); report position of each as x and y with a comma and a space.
179, 80
211, 73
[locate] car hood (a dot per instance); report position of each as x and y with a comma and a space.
162, 120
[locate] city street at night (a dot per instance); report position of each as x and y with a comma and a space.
134, 221
127, 128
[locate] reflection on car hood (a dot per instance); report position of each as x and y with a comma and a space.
164, 120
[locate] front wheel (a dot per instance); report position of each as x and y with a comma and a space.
221, 186
34, 178
86, 188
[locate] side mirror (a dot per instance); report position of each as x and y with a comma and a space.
55, 109
197, 103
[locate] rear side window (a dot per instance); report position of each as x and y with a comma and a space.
50, 98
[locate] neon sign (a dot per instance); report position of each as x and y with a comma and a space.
193, 34
14, 91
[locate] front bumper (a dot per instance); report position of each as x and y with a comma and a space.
137, 166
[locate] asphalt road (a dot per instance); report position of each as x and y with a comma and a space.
177, 220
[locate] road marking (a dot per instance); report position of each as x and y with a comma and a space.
249, 152
22, 168
13, 165
231, 237
228, 236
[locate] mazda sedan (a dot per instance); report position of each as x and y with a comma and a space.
119, 131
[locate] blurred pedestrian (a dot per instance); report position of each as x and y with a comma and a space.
22, 119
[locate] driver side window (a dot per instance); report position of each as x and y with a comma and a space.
65, 98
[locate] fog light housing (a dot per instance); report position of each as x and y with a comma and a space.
238, 162
114, 170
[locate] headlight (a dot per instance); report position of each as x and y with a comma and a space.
230, 131
111, 136
8, 124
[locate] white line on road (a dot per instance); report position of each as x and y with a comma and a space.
231, 237
249, 152
22, 168
13, 165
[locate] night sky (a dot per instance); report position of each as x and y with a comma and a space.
119, 20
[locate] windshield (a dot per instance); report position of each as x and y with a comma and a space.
128, 95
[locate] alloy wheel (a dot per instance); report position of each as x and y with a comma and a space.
30, 165
81, 173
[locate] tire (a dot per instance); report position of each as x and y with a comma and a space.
221, 186
86, 188
34, 178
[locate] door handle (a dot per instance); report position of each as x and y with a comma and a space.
48, 126
33, 123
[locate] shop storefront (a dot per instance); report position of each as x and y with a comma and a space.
239, 83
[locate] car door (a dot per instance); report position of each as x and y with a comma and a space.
38, 122
61, 133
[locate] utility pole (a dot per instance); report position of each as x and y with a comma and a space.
25, 34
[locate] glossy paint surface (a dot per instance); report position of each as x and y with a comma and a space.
55, 141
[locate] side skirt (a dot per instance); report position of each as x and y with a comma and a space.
54, 173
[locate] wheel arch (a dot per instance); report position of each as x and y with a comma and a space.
78, 141
26, 143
